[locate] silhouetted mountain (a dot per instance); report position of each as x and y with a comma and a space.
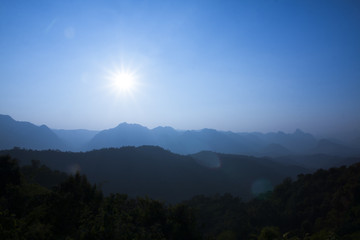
26, 135
275, 150
317, 161
163, 175
297, 142
75, 140
190, 142
166, 137
123, 135
325, 146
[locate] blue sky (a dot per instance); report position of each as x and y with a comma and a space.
229, 65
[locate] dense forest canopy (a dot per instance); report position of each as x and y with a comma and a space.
39, 203
163, 175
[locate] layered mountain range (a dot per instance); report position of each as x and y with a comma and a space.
27, 135
179, 164
163, 175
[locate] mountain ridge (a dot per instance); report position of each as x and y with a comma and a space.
161, 174
273, 144
27, 135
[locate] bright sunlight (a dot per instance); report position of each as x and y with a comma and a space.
122, 81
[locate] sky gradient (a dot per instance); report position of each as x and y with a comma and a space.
228, 65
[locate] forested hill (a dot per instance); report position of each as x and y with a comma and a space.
75, 209
320, 206
163, 175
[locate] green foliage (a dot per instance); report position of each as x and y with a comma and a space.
320, 206
220, 214
9, 173
160, 174
76, 209
323, 205
270, 233
324, 235
227, 235
41, 174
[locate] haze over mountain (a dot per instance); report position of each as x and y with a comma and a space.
193, 141
75, 140
160, 174
163, 175
27, 135
231, 65
187, 98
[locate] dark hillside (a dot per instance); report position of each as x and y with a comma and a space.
163, 175
324, 205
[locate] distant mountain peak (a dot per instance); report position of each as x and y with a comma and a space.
298, 131
125, 124
327, 146
275, 150
165, 128
6, 117
27, 135
209, 130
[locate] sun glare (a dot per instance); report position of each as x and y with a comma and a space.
122, 82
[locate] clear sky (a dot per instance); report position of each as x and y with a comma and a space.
228, 65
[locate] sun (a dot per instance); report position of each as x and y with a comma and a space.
122, 81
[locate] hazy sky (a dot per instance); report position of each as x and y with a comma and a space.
229, 65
